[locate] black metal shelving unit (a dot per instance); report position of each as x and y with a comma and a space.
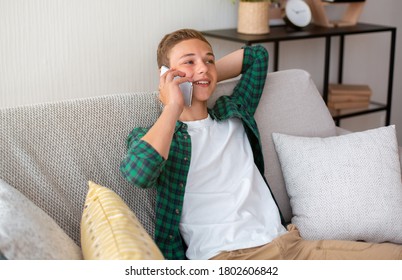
283, 33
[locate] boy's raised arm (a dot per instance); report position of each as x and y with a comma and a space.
230, 65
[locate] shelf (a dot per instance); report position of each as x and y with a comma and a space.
348, 113
283, 33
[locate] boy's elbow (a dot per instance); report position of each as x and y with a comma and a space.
133, 176
142, 164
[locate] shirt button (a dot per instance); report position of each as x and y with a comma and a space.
170, 237
185, 137
185, 159
181, 185
177, 211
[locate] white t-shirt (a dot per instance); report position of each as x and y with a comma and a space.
227, 204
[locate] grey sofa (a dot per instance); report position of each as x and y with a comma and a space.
50, 151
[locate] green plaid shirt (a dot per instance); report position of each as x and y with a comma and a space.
145, 168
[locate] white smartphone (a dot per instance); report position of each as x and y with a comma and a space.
186, 88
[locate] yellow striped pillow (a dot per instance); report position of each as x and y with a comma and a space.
111, 231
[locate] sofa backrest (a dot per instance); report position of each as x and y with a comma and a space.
49, 151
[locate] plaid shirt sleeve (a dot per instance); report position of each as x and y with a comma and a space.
142, 163
254, 72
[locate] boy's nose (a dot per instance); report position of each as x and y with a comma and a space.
202, 68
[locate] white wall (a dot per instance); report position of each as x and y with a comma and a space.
62, 49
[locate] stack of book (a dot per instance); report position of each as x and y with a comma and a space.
344, 96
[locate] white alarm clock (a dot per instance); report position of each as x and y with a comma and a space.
297, 14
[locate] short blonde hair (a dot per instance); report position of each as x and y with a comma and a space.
172, 39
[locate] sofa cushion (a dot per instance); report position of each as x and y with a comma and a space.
345, 187
28, 233
111, 231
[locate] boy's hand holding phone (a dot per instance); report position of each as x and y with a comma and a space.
186, 87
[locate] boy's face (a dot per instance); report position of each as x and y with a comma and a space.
195, 58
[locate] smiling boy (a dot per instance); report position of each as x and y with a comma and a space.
192, 154
213, 201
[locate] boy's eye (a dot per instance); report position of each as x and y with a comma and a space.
211, 61
189, 62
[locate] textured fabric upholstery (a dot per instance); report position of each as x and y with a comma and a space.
50, 151
356, 176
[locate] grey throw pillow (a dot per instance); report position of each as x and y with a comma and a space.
28, 233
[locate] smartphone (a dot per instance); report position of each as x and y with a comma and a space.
186, 88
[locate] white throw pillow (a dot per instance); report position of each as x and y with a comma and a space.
344, 187
28, 233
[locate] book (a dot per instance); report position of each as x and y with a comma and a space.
339, 89
348, 105
348, 98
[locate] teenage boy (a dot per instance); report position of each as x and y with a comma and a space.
213, 201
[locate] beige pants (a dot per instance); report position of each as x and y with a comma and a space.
291, 246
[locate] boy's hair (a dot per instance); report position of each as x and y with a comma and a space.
172, 39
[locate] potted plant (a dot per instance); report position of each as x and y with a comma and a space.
253, 16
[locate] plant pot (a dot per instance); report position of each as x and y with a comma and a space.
253, 17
